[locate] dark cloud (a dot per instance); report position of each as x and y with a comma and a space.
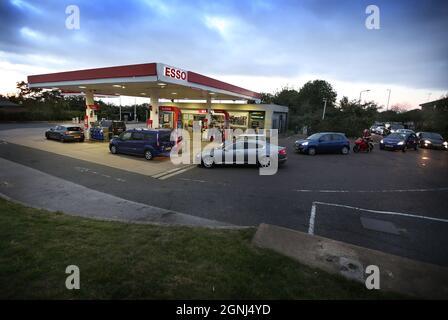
259, 37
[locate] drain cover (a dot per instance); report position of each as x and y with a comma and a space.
379, 225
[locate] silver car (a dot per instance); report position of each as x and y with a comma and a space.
242, 152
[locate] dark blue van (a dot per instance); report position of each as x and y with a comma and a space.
149, 143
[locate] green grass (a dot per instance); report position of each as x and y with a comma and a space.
130, 261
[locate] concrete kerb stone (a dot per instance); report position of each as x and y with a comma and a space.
397, 274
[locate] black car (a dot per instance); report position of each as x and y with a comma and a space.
431, 140
65, 133
115, 127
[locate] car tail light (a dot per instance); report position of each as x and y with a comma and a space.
282, 152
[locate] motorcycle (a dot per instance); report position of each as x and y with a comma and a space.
362, 145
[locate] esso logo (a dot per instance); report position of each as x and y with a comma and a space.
175, 73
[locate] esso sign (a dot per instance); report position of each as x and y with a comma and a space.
175, 73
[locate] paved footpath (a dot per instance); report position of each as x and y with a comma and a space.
40, 190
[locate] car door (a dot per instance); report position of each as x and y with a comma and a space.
59, 132
324, 144
52, 134
240, 152
137, 143
231, 154
412, 140
253, 151
337, 142
124, 142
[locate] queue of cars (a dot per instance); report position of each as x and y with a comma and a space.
244, 149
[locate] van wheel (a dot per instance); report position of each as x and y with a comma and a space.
148, 155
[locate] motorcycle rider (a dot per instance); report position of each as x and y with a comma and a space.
366, 136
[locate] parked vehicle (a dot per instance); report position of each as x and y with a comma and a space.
324, 142
399, 141
242, 152
373, 129
394, 127
65, 133
379, 130
115, 127
431, 140
405, 131
362, 145
149, 143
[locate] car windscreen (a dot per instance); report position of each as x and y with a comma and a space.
164, 136
432, 135
396, 136
315, 136
118, 124
74, 129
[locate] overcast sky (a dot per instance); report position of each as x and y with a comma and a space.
262, 45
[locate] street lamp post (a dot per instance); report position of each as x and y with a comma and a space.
360, 93
325, 107
388, 99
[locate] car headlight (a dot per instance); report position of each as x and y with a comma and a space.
445, 144
427, 141
400, 143
305, 143
382, 141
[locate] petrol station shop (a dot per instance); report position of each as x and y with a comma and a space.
177, 97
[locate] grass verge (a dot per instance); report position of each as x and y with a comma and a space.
129, 261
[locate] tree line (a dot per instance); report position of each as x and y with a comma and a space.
351, 117
305, 109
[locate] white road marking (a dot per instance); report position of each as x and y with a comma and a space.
170, 173
176, 173
312, 219
315, 203
165, 172
372, 191
84, 170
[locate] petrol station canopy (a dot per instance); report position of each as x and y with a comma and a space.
143, 80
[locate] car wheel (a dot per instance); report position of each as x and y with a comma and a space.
62, 139
345, 150
46, 136
404, 149
355, 149
415, 147
148, 155
264, 162
208, 162
113, 149
311, 151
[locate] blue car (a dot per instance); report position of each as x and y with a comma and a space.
149, 143
399, 141
323, 142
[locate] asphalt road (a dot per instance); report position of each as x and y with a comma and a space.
413, 183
